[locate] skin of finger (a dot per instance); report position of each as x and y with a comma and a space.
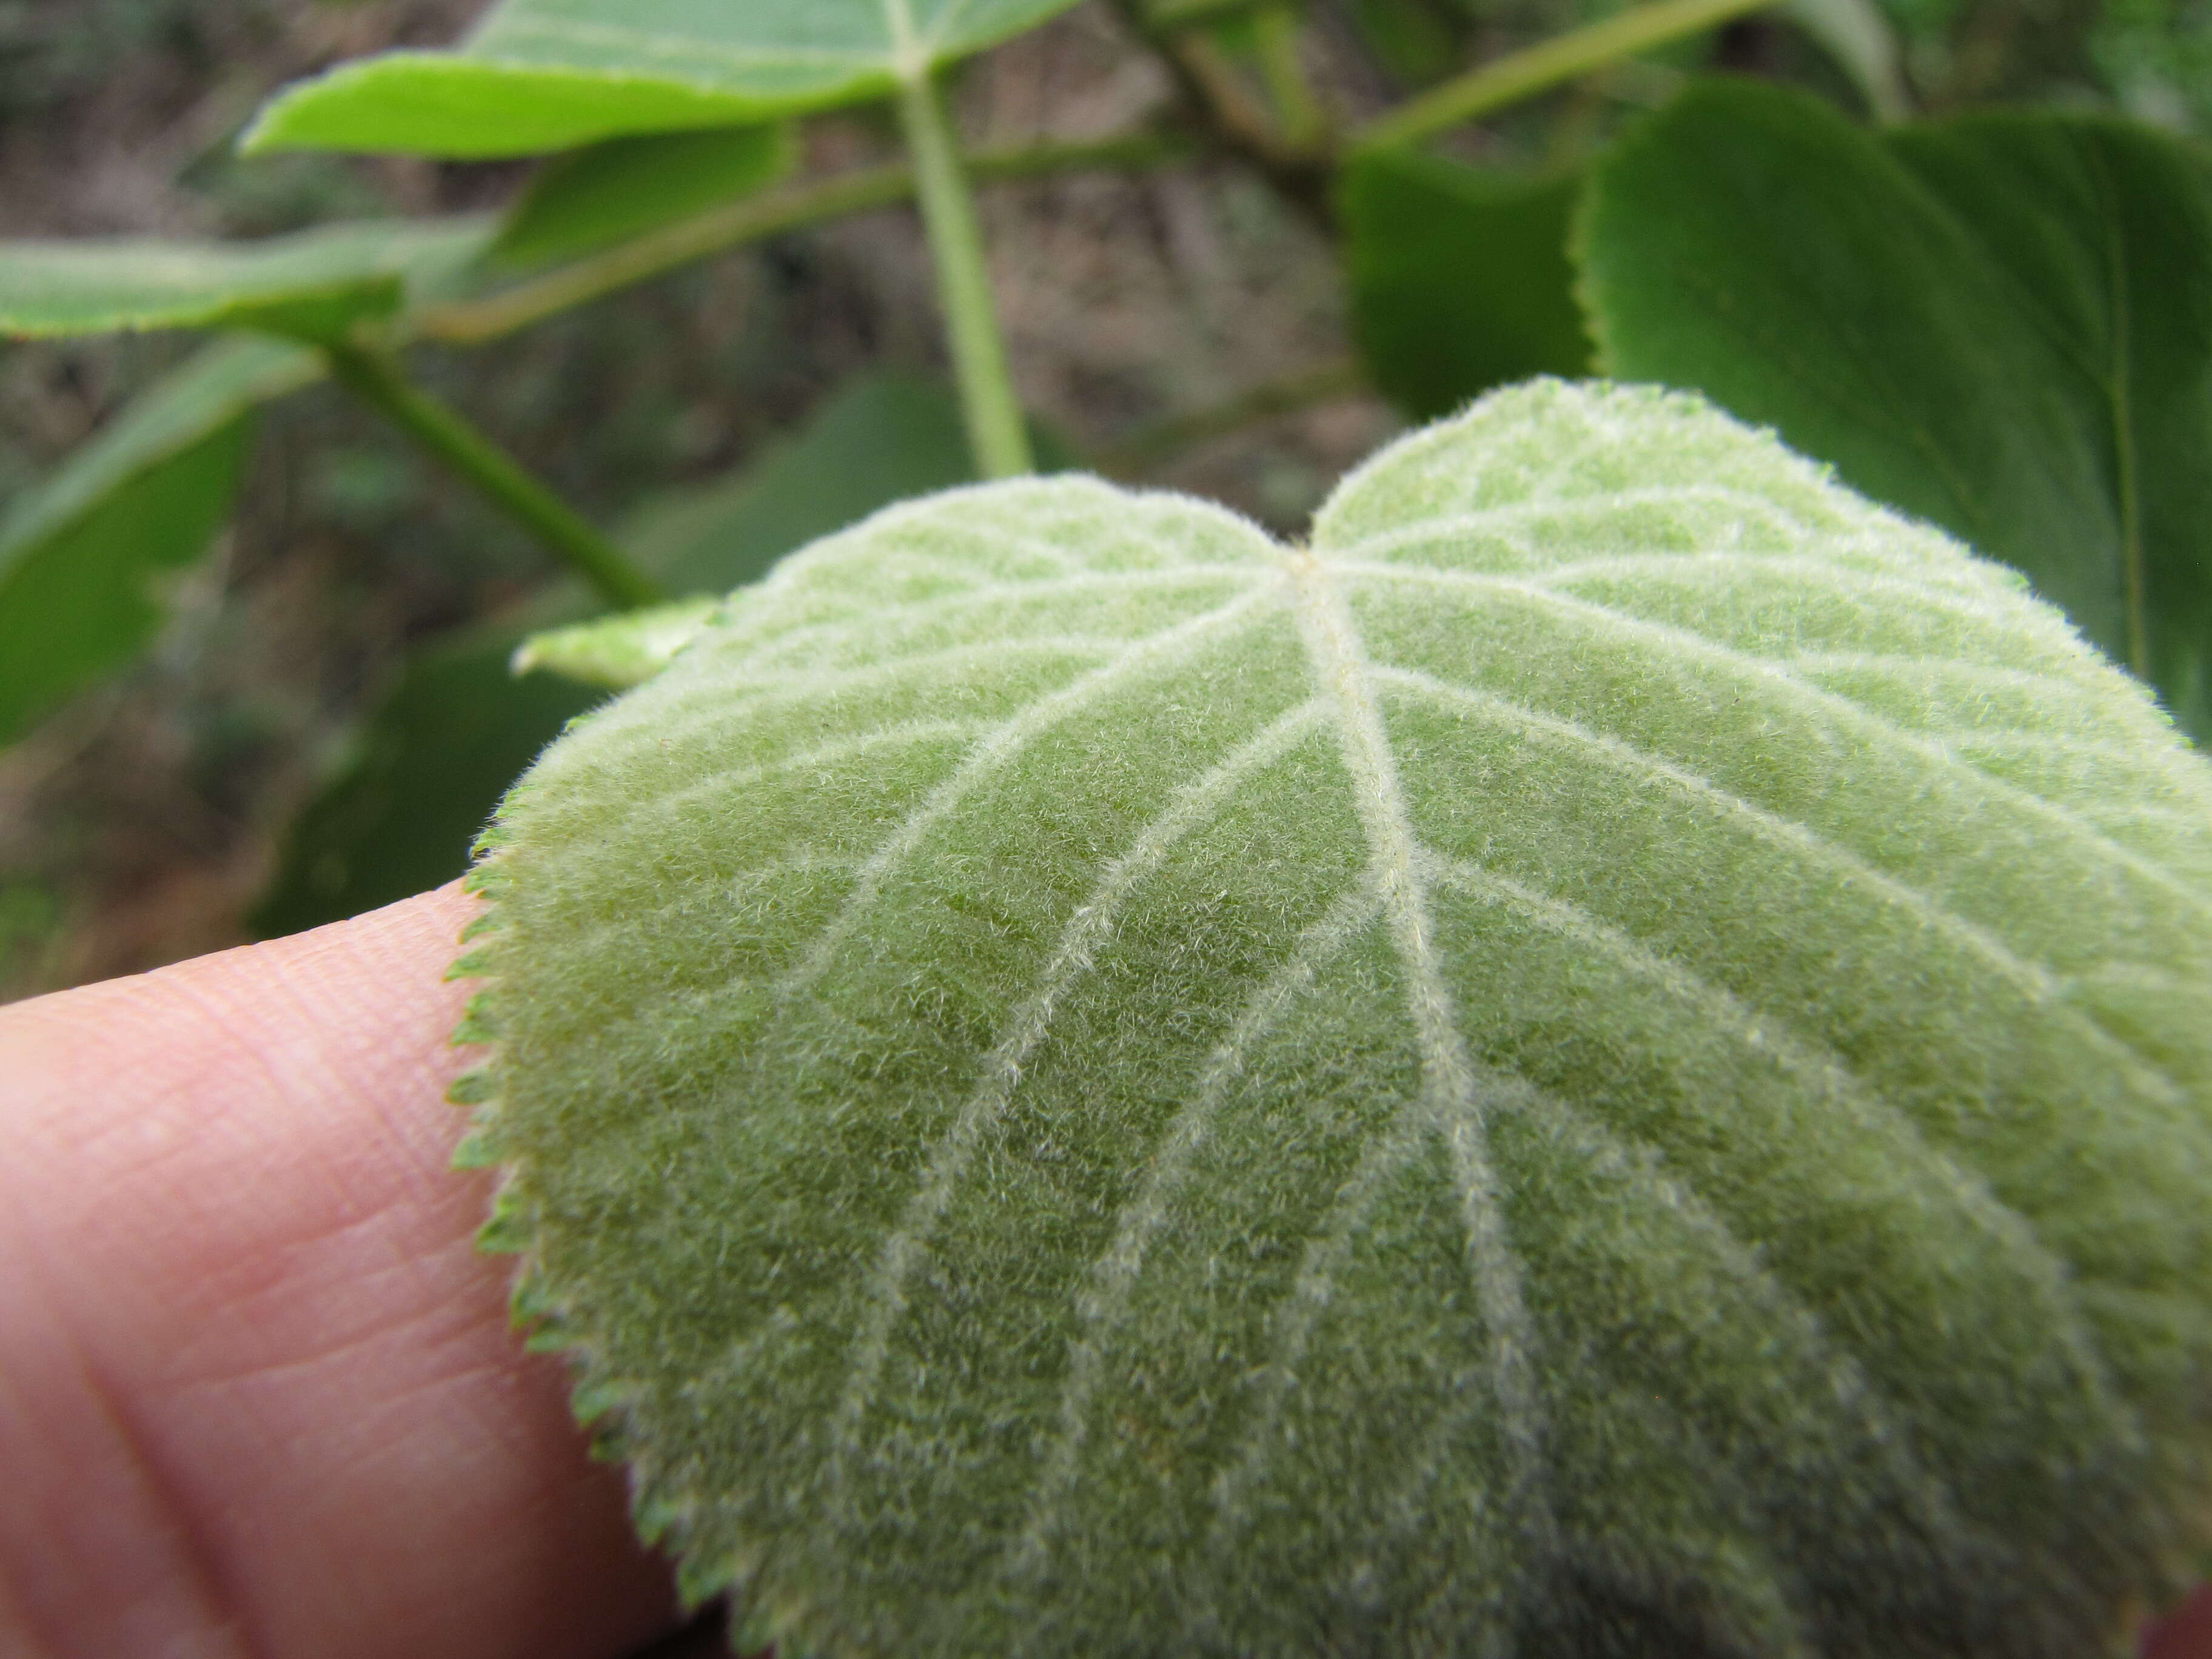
259, 1397
2187, 1633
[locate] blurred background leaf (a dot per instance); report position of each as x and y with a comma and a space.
2001, 323
311, 284
80, 555
535, 76
1459, 277
589, 199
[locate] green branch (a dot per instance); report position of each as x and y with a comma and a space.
1562, 58
996, 434
754, 218
1298, 113
376, 379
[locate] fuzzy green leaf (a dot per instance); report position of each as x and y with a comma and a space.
1612, 1060
541, 75
2000, 323
80, 555
312, 285
626, 187
1460, 279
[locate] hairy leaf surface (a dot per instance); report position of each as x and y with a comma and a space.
541, 75
81, 554
1999, 322
312, 285
1611, 1059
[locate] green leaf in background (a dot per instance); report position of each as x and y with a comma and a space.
80, 555
1418, 41
1610, 1060
541, 75
880, 439
311, 285
1460, 278
400, 815
1858, 36
2001, 323
415, 788
585, 201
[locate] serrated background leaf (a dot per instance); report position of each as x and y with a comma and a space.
1999, 323
1610, 1061
399, 816
1459, 277
311, 285
586, 201
80, 555
540, 75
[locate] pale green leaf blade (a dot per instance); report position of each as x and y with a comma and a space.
399, 814
620, 650
541, 75
311, 285
626, 187
80, 554
1998, 323
1608, 1061
1458, 277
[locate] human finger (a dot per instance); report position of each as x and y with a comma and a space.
257, 1395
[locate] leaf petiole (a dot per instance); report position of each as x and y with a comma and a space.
374, 377
1519, 75
995, 430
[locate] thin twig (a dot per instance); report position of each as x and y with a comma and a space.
1562, 58
753, 218
376, 379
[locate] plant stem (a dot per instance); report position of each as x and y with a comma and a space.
1298, 111
469, 322
1562, 58
996, 433
375, 377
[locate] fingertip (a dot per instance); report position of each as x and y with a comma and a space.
260, 1395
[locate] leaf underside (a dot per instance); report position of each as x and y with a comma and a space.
541, 75
1610, 1060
